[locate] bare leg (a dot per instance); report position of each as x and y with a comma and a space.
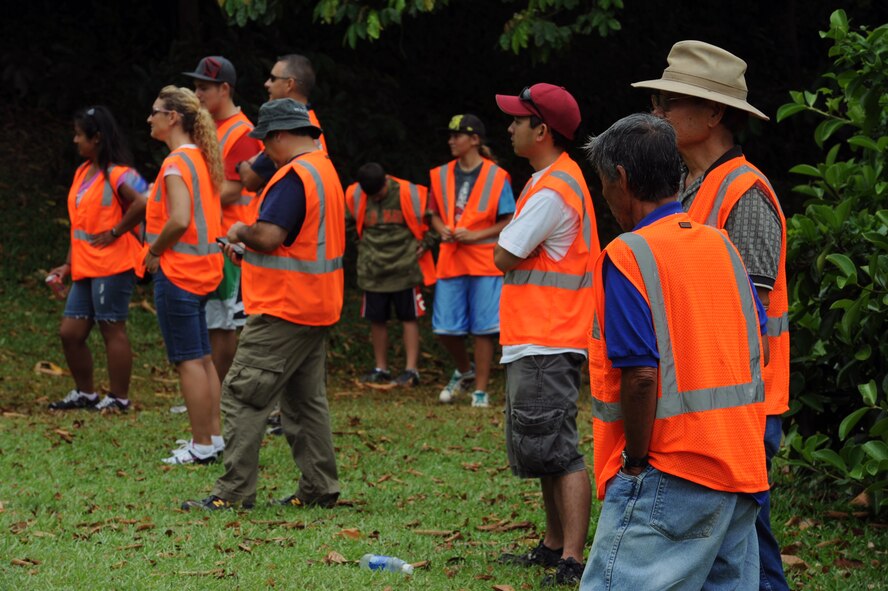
215, 395
484, 348
120, 357
554, 536
223, 344
379, 338
195, 381
456, 346
411, 343
74, 332
573, 495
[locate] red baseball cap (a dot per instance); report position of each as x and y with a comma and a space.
553, 104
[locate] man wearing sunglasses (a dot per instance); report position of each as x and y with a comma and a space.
547, 253
702, 94
214, 81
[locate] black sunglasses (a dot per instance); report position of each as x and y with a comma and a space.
274, 78
526, 98
156, 111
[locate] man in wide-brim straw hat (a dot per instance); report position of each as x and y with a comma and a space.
703, 95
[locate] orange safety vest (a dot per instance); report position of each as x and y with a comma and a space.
99, 211
719, 193
455, 259
313, 119
303, 283
710, 418
229, 132
414, 199
194, 263
547, 302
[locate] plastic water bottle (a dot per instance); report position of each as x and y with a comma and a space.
59, 289
388, 563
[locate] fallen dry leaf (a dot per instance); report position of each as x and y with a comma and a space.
65, 435
471, 466
49, 368
503, 588
826, 543
433, 532
145, 526
791, 549
837, 514
219, 573
848, 563
350, 532
245, 548
130, 547
862, 500
334, 557
794, 562
14, 415
24, 562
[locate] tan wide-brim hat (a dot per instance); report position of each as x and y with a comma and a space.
705, 71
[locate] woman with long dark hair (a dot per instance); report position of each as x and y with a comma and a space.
183, 220
103, 205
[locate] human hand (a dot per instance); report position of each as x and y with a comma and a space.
152, 262
446, 234
61, 271
104, 239
232, 232
465, 236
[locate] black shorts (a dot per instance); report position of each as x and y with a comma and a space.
377, 305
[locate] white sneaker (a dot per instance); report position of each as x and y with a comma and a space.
188, 455
111, 403
184, 443
460, 383
480, 399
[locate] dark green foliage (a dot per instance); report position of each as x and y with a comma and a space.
838, 255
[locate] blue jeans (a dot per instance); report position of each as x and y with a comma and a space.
183, 320
658, 531
772, 577
102, 299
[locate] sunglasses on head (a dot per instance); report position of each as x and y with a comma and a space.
525, 97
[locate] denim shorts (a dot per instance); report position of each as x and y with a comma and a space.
541, 415
182, 319
467, 304
103, 299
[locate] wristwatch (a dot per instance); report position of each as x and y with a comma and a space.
114, 232
629, 462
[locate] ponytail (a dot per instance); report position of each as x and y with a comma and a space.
486, 152
197, 123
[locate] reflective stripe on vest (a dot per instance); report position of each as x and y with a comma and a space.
483, 200
84, 235
286, 263
488, 186
203, 246
228, 133
548, 279
357, 200
108, 191
443, 173
778, 326
673, 402
414, 199
575, 187
712, 220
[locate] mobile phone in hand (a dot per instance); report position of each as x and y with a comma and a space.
237, 248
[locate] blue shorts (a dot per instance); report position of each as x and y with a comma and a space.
183, 320
103, 299
467, 304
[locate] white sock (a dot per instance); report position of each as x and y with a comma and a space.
203, 451
90, 395
218, 441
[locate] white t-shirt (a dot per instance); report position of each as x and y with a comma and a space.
547, 221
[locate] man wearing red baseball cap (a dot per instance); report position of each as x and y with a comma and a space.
547, 253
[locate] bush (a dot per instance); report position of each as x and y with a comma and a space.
838, 269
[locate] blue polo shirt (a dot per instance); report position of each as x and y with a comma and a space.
631, 340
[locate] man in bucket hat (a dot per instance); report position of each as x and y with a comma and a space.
292, 286
703, 95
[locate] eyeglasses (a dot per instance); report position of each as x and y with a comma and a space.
658, 101
526, 98
274, 78
156, 111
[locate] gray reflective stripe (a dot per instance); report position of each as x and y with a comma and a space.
712, 218
778, 326
228, 133
279, 263
414, 200
548, 279
181, 247
673, 402
575, 187
322, 208
357, 199
687, 402
244, 200
607, 412
108, 191
82, 235
442, 173
488, 187
158, 193
596, 330
197, 212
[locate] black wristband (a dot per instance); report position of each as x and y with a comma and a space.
152, 253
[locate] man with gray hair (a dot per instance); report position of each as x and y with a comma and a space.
676, 359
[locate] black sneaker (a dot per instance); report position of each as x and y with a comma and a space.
539, 556
112, 404
568, 572
73, 400
325, 501
377, 376
408, 379
211, 503
274, 425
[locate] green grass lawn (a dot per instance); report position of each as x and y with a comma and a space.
85, 502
